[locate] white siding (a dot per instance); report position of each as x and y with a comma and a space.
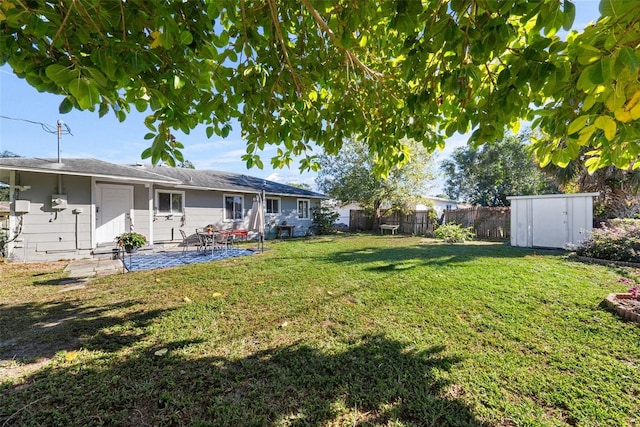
551, 221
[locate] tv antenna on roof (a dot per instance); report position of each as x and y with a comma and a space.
48, 128
65, 131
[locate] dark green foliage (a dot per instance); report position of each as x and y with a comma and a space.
487, 175
350, 177
454, 233
304, 75
323, 219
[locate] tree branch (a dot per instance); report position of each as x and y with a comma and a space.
276, 23
323, 25
64, 21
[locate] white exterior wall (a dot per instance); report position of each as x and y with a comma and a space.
47, 234
204, 207
551, 221
438, 205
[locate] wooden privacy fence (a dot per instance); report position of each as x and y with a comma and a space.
414, 223
488, 223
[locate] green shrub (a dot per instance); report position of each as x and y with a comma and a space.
322, 220
619, 240
454, 233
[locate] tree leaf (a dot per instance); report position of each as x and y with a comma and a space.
585, 134
86, 94
61, 75
577, 125
186, 38
569, 14
97, 76
608, 125
628, 57
65, 106
597, 72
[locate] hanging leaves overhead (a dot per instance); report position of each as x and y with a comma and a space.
307, 73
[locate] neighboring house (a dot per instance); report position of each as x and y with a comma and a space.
70, 209
438, 204
345, 212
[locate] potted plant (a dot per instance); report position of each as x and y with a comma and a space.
131, 241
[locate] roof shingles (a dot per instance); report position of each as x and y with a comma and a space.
189, 178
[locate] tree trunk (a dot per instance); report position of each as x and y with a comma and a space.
376, 215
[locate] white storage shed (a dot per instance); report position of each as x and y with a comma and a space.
551, 221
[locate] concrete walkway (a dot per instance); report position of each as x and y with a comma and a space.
93, 267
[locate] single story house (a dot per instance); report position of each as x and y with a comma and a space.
75, 208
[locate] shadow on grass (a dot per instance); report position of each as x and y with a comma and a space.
34, 331
376, 381
388, 259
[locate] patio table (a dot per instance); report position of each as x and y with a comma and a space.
284, 228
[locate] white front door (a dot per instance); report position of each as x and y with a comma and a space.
114, 211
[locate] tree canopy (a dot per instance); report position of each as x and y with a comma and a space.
301, 74
349, 177
487, 175
617, 188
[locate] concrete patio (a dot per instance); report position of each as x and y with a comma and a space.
147, 261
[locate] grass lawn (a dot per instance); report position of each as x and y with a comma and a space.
335, 331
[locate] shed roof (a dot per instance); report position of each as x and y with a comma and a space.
553, 196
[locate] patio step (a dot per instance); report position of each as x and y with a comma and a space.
110, 251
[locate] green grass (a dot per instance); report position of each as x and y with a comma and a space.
356, 330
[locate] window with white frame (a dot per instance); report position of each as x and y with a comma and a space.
303, 209
169, 202
273, 205
233, 207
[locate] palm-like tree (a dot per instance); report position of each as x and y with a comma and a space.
618, 188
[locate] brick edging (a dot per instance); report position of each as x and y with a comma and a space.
606, 261
612, 303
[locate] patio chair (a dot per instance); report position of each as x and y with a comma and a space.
197, 242
222, 240
185, 241
203, 240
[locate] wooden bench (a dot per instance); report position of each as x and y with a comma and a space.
391, 227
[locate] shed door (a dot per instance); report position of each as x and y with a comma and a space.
114, 208
549, 222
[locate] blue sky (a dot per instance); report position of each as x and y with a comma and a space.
109, 140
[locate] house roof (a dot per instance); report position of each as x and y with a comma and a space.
82, 167
174, 177
227, 181
441, 199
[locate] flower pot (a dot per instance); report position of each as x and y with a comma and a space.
130, 249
